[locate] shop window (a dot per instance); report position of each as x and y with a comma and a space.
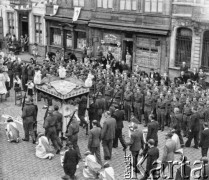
69, 41
38, 29
147, 53
105, 4
128, 5
154, 6
183, 46
10, 18
80, 39
79, 3
205, 51
55, 37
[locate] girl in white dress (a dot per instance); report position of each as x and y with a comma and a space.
11, 131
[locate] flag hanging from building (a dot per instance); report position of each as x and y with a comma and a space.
55, 9
76, 14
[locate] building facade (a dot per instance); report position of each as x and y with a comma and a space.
190, 35
138, 28
23, 17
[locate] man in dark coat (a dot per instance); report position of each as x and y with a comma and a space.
152, 129
59, 120
119, 117
136, 144
108, 134
152, 156
194, 129
204, 142
28, 116
72, 135
94, 141
71, 160
50, 131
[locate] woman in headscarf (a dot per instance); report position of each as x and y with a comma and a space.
92, 167
43, 149
11, 131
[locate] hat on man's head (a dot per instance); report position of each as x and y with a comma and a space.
27, 101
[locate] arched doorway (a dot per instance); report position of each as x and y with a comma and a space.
183, 46
205, 50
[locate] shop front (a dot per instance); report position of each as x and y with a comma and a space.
70, 37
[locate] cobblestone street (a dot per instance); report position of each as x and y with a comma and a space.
18, 161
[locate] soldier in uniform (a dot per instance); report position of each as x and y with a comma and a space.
118, 95
148, 107
186, 117
168, 99
138, 104
108, 94
160, 109
128, 100
201, 112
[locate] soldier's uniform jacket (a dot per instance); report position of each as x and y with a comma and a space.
117, 94
187, 110
148, 103
128, 96
138, 99
109, 91
161, 104
176, 121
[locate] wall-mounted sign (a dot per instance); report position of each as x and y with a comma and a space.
112, 38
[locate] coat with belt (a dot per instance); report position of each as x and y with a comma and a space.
136, 142
204, 142
59, 120
169, 150
94, 137
108, 130
73, 130
119, 117
29, 113
152, 130
49, 125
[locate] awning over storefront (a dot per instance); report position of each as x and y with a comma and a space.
66, 20
129, 27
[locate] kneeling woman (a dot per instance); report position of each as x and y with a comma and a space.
11, 131
43, 149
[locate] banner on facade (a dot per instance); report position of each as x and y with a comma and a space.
76, 14
55, 10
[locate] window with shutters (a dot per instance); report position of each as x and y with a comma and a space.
183, 46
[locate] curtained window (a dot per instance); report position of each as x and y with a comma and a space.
128, 5
38, 29
10, 17
105, 4
79, 3
55, 37
183, 46
154, 6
